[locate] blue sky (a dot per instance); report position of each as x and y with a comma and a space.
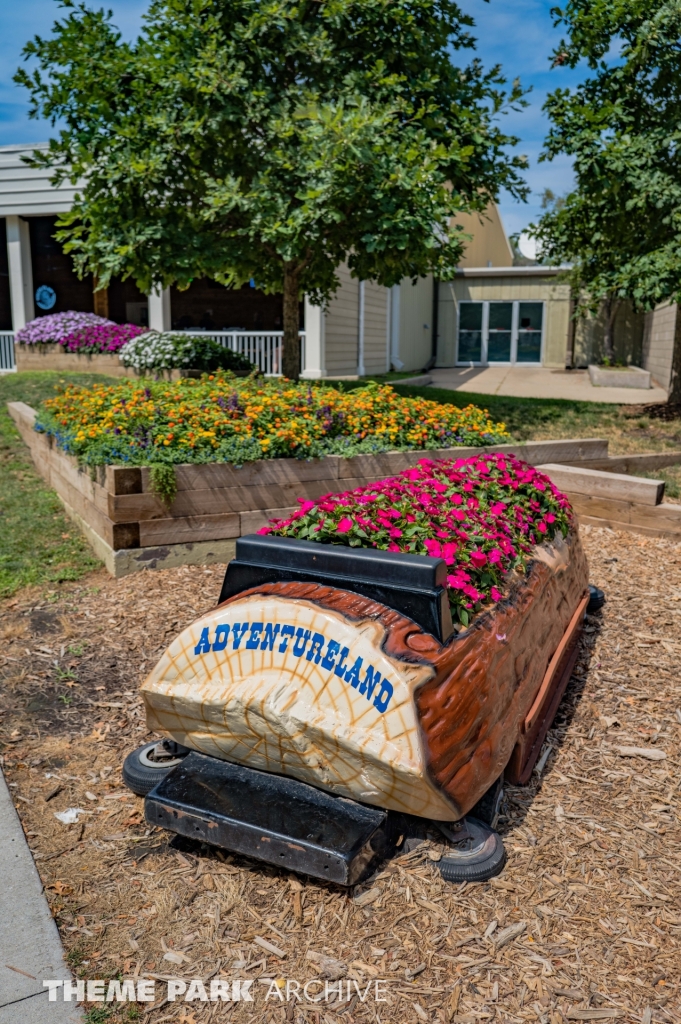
518, 34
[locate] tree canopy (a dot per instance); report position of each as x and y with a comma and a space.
621, 225
271, 139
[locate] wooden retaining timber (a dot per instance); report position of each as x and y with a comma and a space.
130, 528
597, 484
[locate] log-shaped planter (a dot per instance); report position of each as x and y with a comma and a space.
329, 686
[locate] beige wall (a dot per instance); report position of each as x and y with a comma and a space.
555, 296
341, 327
489, 246
628, 334
659, 330
416, 323
376, 340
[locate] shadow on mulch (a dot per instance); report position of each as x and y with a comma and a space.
521, 798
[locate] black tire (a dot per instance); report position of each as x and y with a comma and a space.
476, 859
147, 765
596, 599
487, 808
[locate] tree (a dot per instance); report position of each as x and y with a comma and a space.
271, 139
621, 225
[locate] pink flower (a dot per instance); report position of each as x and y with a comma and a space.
496, 596
395, 533
448, 552
494, 556
433, 547
344, 526
541, 527
478, 559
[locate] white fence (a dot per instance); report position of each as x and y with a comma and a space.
7, 351
263, 349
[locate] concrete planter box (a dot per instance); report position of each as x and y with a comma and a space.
130, 529
53, 357
613, 377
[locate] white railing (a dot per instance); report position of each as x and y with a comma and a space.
263, 348
7, 351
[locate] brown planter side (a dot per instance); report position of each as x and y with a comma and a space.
131, 529
53, 357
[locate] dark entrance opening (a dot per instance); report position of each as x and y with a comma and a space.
213, 307
53, 268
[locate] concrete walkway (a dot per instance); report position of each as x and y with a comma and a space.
539, 382
29, 940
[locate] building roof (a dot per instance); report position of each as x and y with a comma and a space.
489, 245
27, 191
537, 271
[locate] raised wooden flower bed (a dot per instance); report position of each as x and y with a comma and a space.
55, 357
130, 528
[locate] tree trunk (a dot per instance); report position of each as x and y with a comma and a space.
291, 340
611, 307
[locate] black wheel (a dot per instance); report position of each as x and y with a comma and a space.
596, 599
487, 808
477, 856
147, 765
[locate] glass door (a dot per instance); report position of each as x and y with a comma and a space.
500, 332
470, 332
530, 323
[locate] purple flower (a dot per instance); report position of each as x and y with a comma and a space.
78, 332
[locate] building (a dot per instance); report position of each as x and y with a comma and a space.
492, 312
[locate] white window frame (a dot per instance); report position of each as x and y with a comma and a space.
484, 346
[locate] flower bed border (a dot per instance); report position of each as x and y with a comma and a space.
130, 529
54, 357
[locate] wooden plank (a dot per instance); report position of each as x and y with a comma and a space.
117, 535
568, 451
665, 517
576, 480
535, 452
613, 524
646, 462
123, 479
251, 522
126, 508
190, 529
264, 472
48, 459
80, 479
24, 419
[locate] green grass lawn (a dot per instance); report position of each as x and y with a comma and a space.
40, 545
546, 419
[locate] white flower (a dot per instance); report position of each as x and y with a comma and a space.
159, 351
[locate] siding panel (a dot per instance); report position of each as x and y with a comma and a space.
27, 191
341, 327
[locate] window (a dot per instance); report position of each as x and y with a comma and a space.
500, 332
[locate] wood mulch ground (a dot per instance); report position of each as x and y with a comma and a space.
592, 882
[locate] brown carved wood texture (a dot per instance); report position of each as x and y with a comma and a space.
485, 678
